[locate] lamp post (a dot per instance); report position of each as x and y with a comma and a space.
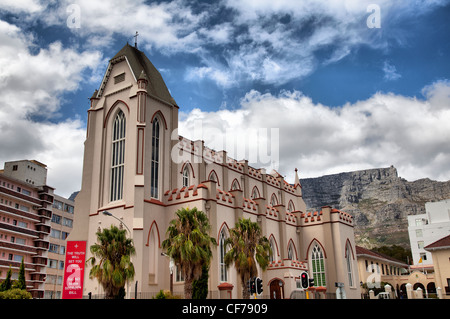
106, 213
171, 267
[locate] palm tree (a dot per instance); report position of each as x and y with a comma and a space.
115, 268
189, 244
247, 244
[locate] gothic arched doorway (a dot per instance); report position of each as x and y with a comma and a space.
276, 289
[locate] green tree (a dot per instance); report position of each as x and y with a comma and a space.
20, 283
247, 247
6, 284
114, 268
189, 245
15, 293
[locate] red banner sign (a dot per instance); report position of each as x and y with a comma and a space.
74, 270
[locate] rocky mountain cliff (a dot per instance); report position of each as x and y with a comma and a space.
379, 200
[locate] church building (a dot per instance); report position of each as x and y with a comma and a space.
139, 170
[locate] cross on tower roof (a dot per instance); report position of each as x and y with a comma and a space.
135, 39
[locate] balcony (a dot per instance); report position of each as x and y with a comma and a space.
39, 260
19, 230
43, 228
46, 198
39, 244
16, 212
38, 277
26, 198
16, 247
45, 212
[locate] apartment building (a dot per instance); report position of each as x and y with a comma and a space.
25, 215
61, 223
427, 228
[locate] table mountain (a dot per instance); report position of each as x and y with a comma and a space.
379, 200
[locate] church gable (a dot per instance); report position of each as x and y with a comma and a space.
136, 61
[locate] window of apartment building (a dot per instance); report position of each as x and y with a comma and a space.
54, 248
68, 208
17, 258
56, 219
420, 244
20, 241
55, 234
52, 263
22, 224
24, 208
57, 204
67, 222
423, 256
51, 279
26, 192
419, 233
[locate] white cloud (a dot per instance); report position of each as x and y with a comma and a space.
32, 85
286, 35
390, 72
383, 130
20, 6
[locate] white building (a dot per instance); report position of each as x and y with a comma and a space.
427, 228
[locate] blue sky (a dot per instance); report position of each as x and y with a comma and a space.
343, 96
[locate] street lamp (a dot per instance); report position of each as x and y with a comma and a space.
106, 213
171, 267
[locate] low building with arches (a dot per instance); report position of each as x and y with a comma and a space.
141, 171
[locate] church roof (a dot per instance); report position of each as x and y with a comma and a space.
139, 62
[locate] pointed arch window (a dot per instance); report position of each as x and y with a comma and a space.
272, 250
318, 266
348, 259
291, 207
222, 249
155, 158
235, 185
273, 200
186, 176
291, 251
118, 157
255, 193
